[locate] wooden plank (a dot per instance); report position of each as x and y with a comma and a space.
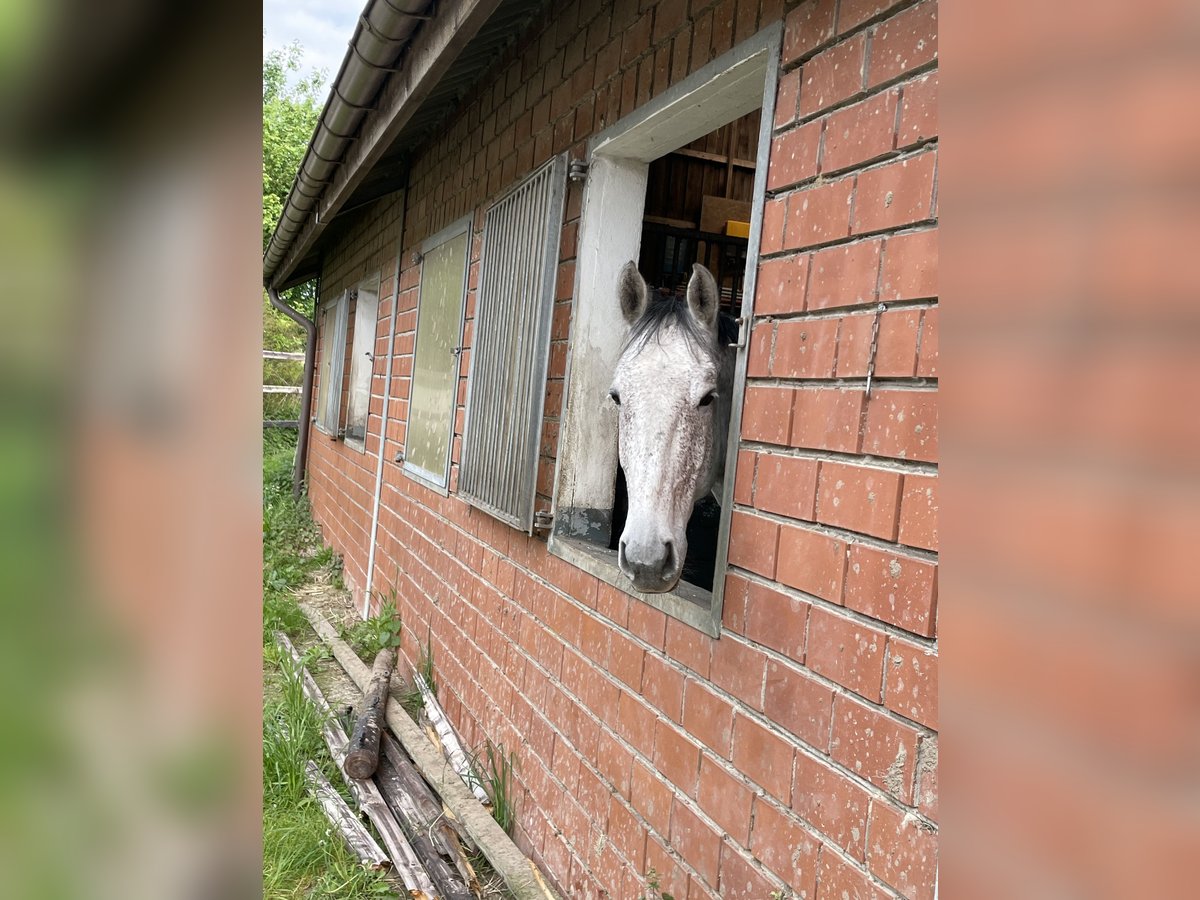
348, 825
520, 875
281, 389
282, 354
449, 740
719, 158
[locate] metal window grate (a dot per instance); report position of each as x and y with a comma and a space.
513, 312
333, 352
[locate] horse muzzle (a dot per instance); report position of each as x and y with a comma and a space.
653, 565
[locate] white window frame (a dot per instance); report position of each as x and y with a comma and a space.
439, 481
735, 84
362, 359
334, 316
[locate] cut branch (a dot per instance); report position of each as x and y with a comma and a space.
363, 756
348, 825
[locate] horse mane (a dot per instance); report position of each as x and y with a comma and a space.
665, 308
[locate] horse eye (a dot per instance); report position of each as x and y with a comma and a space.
616, 397
707, 398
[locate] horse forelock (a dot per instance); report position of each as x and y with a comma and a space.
665, 309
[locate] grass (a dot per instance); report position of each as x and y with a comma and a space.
302, 856
493, 769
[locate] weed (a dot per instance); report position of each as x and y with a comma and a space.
369, 636
493, 771
654, 887
425, 663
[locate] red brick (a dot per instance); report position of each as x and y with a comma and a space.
752, 543
763, 757
807, 27
911, 682
847, 652
904, 42
832, 803
776, 620
918, 111
672, 878
812, 562
927, 363
875, 746
688, 647
860, 133
827, 419
695, 841
799, 703
725, 799
651, 797
772, 227
662, 685
708, 718
787, 98
844, 276
738, 669
648, 624
780, 285
626, 832
902, 424
852, 13
919, 512
742, 881
762, 345
783, 846
614, 762
794, 156
859, 498
676, 757
910, 266
893, 588
896, 194
743, 480
819, 213
896, 344
635, 723
668, 16
833, 75
805, 349
786, 485
733, 605
927, 777
625, 660
902, 852
767, 414
839, 881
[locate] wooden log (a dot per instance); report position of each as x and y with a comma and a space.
448, 882
348, 825
520, 875
449, 740
404, 859
363, 755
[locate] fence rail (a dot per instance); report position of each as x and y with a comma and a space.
280, 354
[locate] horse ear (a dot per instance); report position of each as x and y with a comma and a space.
631, 288
703, 296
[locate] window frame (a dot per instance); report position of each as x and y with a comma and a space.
449, 233
332, 364
369, 285
618, 163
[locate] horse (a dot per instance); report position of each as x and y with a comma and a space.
672, 384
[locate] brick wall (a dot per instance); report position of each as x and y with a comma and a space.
798, 751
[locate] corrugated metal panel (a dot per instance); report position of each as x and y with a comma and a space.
513, 312
336, 315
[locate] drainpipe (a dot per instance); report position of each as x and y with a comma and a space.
310, 356
387, 399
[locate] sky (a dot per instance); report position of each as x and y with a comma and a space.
323, 28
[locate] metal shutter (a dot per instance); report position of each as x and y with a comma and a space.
513, 311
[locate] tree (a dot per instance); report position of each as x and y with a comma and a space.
290, 113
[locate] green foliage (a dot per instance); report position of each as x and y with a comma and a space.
654, 887
290, 114
493, 771
369, 636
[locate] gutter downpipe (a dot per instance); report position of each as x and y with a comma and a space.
387, 399
310, 358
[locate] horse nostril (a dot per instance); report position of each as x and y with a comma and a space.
669, 559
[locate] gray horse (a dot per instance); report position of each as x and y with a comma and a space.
672, 384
